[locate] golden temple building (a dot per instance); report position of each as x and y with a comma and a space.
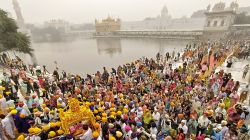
108, 25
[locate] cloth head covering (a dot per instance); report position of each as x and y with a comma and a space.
127, 128
139, 124
118, 134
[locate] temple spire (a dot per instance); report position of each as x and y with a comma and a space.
19, 16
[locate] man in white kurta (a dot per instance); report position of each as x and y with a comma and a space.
3, 105
156, 116
87, 135
8, 127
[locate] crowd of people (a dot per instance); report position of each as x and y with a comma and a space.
173, 96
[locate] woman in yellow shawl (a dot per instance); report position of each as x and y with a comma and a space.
147, 117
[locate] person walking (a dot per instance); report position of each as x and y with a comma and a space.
246, 69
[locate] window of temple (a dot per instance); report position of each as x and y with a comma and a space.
208, 23
215, 23
222, 23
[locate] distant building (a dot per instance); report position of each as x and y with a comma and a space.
197, 21
233, 6
150, 23
164, 13
107, 25
221, 22
220, 18
216, 22
58, 24
164, 22
198, 14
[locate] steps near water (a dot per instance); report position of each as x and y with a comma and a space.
237, 70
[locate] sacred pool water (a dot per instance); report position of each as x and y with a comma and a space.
86, 56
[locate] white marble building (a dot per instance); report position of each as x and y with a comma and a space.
220, 18
165, 22
197, 21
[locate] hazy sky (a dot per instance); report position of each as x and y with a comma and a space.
82, 11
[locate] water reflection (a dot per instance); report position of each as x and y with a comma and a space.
86, 56
109, 46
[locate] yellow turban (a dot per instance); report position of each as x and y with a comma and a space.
37, 130
172, 104
46, 110
13, 112
112, 138
95, 134
53, 124
52, 111
58, 124
119, 113
111, 109
98, 118
121, 95
31, 130
210, 113
46, 127
52, 134
21, 137
35, 110
104, 119
59, 105
97, 126
113, 113
60, 132
118, 134
222, 105
2, 88
88, 103
100, 109
125, 110
104, 115
22, 116
8, 93
43, 105
95, 111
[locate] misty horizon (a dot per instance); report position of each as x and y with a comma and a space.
78, 11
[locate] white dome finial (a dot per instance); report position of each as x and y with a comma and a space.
164, 11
